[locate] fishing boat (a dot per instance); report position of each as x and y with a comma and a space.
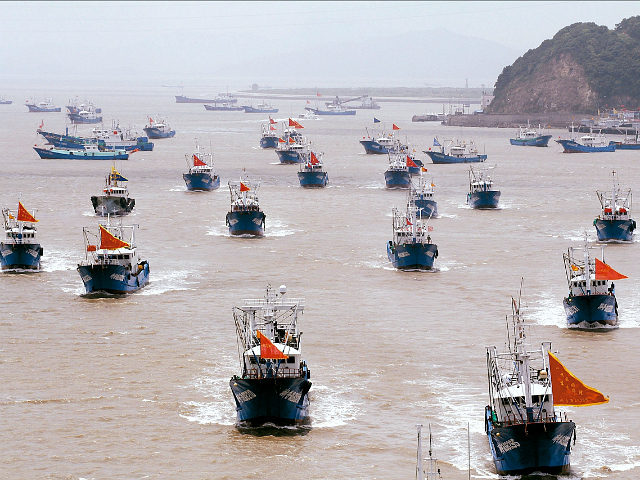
312, 173
368, 103
295, 149
528, 137
19, 250
426, 469
383, 144
482, 194
76, 106
104, 138
309, 116
627, 143
42, 107
273, 386
397, 174
331, 110
89, 152
269, 137
245, 216
411, 247
591, 303
4, 101
455, 151
260, 108
592, 142
414, 164
201, 175
422, 196
614, 224
525, 432
112, 263
158, 129
85, 117
223, 107
115, 198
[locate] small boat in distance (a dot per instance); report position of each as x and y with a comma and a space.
42, 107
115, 198
383, 143
85, 116
273, 386
19, 250
183, 99
223, 107
431, 472
312, 173
455, 151
158, 129
528, 137
422, 196
112, 264
482, 194
627, 143
4, 101
76, 106
331, 110
269, 137
260, 108
614, 224
591, 303
411, 247
592, 142
201, 175
245, 216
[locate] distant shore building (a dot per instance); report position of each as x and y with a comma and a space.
485, 101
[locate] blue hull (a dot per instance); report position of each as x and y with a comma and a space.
541, 141
215, 108
282, 401
201, 181
532, 447
574, 147
269, 142
373, 147
246, 223
80, 155
397, 179
260, 110
75, 118
67, 141
615, 230
482, 200
113, 278
286, 156
625, 146
313, 179
591, 312
426, 208
437, 157
24, 256
412, 256
154, 133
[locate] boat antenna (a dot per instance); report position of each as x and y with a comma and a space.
468, 451
430, 454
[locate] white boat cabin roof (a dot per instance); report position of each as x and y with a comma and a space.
286, 349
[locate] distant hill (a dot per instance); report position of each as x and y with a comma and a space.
583, 68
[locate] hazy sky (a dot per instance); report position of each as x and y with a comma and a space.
273, 42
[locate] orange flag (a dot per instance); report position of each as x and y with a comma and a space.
294, 124
423, 169
396, 127
197, 162
281, 140
243, 187
110, 242
268, 350
408, 222
314, 159
150, 120
291, 140
271, 121
605, 272
271, 127
410, 162
568, 390
23, 215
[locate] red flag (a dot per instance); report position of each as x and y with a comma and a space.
314, 159
281, 140
24, 215
424, 169
408, 222
396, 127
243, 187
197, 162
429, 228
150, 120
268, 350
318, 94
294, 124
271, 121
41, 124
568, 390
291, 140
271, 127
410, 162
605, 272
92, 248
108, 241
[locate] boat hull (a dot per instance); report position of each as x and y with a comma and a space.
201, 181
288, 156
229, 108
614, 230
75, 118
268, 142
248, 109
80, 155
541, 141
374, 148
113, 278
154, 133
426, 208
67, 141
625, 146
571, 146
484, 200
107, 205
246, 223
313, 179
437, 157
397, 179
34, 108
591, 312
331, 112
412, 256
532, 447
183, 99
282, 401
24, 256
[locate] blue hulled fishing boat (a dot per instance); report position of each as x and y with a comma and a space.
397, 174
115, 196
269, 137
158, 129
411, 247
112, 264
527, 137
89, 152
591, 304
455, 151
627, 143
42, 107
4, 101
482, 194
422, 196
382, 144
76, 106
19, 250
260, 108
588, 144
525, 432
245, 216
201, 175
615, 224
312, 173
273, 385
295, 149
106, 139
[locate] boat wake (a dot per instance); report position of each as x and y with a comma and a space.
169, 280
59, 260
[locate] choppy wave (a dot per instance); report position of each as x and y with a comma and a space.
59, 260
169, 280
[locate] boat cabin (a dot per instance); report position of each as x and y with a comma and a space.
510, 405
116, 191
578, 286
257, 367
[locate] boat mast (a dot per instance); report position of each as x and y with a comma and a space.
419, 470
587, 271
